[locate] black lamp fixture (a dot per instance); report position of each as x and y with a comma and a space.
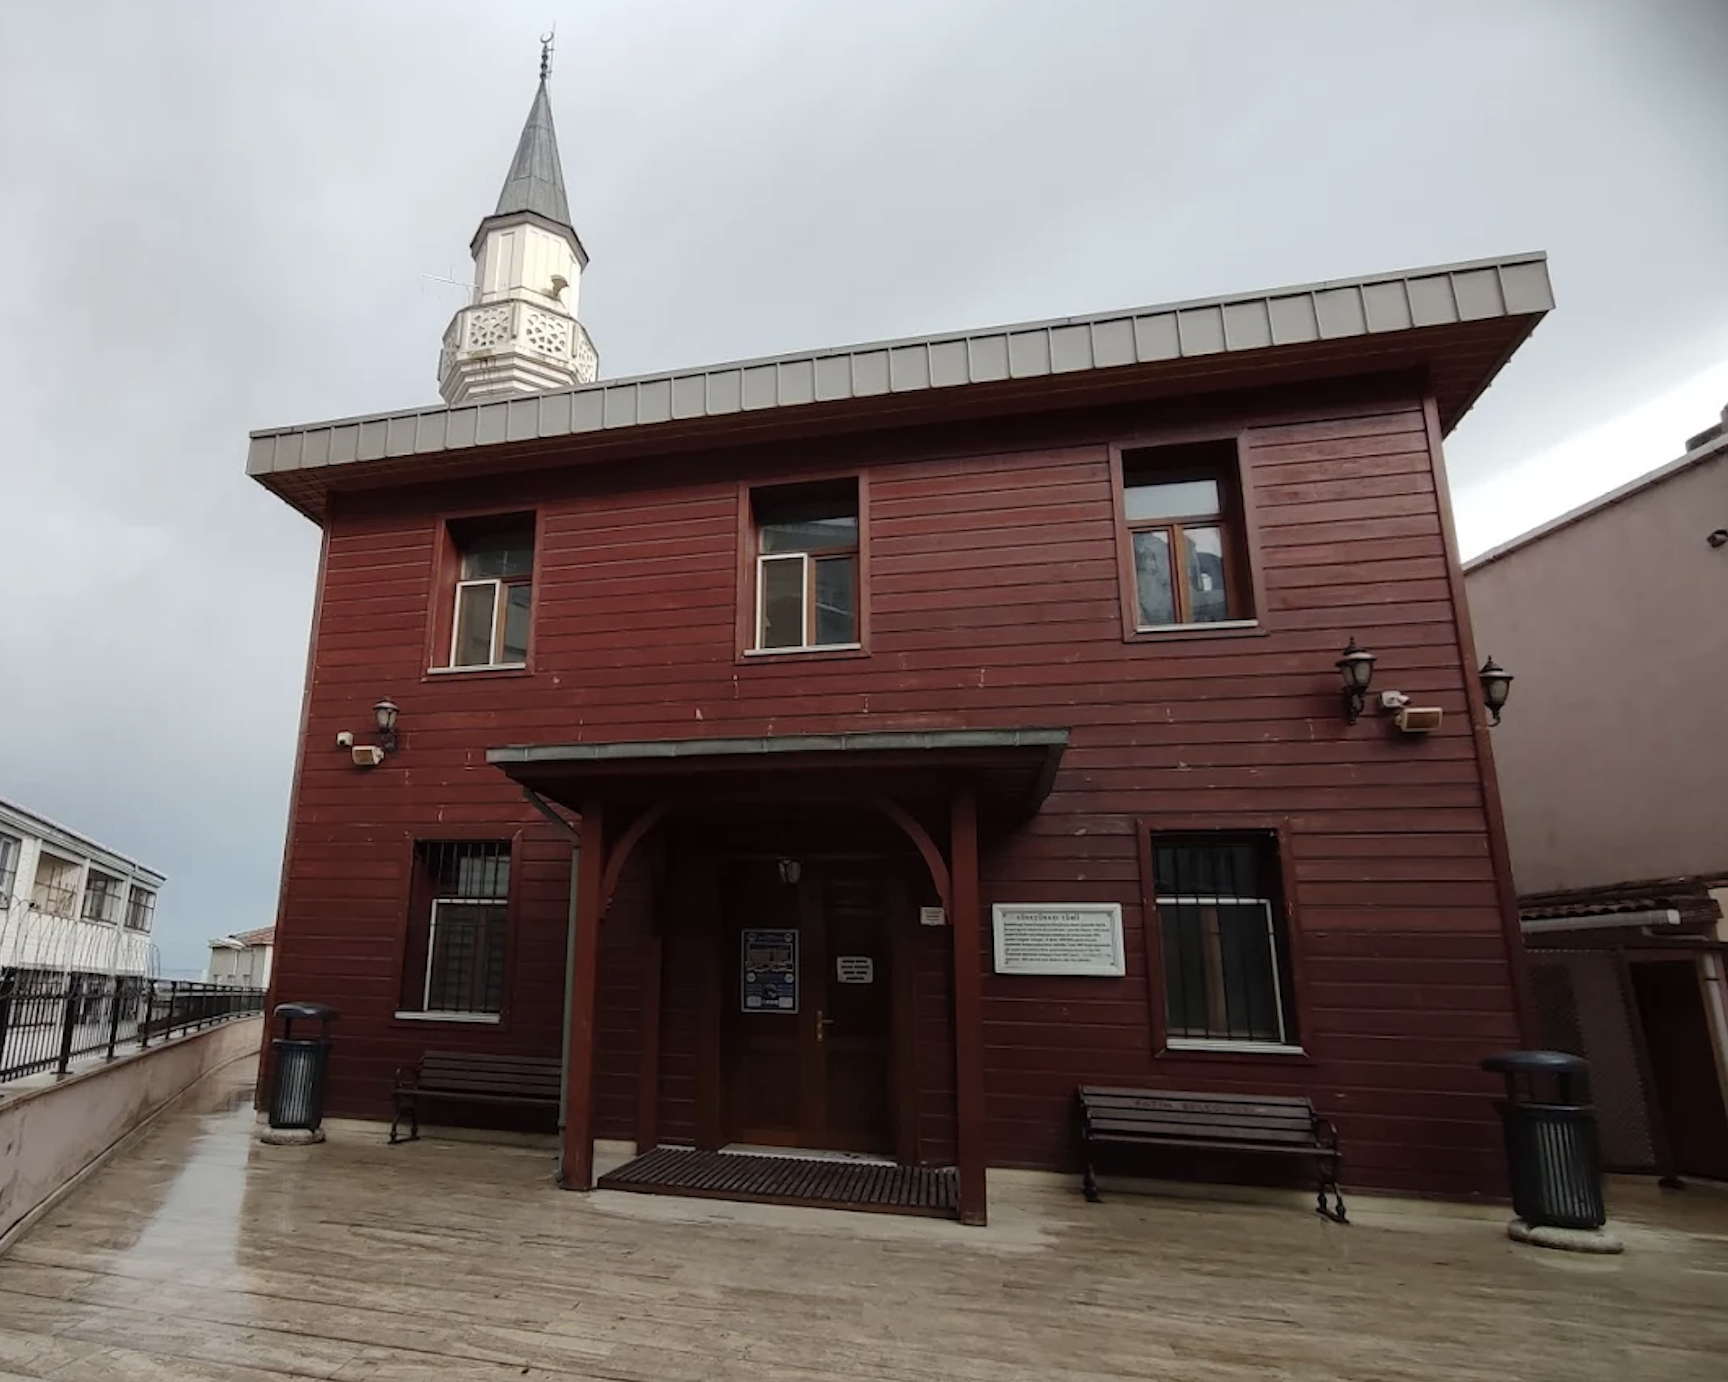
1496, 686
385, 714
1357, 669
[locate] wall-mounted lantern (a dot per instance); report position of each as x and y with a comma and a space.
385, 713
1496, 686
1357, 669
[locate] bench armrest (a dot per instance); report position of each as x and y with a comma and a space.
1325, 1132
407, 1077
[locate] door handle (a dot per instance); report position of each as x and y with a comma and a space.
822, 1024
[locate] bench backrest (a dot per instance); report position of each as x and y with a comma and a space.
531, 1077
1272, 1120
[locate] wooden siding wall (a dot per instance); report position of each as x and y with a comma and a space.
994, 601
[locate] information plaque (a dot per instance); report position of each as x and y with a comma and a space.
1073, 938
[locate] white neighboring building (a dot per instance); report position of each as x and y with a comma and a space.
70, 905
242, 959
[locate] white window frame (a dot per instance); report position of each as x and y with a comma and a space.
11, 856
495, 646
803, 560
807, 623
453, 1014
1188, 1043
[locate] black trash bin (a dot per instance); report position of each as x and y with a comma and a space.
1552, 1156
297, 1101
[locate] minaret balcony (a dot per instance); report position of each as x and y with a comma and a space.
548, 349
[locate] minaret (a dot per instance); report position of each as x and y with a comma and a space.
519, 334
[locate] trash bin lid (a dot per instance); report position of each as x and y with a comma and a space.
320, 1012
1536, 1063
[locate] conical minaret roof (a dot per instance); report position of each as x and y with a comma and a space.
536, 179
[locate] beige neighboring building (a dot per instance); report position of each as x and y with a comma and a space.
1613, 767
243, 958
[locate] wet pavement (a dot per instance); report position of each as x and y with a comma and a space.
199, 1254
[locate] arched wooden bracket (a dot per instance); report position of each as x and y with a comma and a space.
619, 855
919, 836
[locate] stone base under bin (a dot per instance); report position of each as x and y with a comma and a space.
291, 1137
1566, 1239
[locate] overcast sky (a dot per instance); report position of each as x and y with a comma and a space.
221, 216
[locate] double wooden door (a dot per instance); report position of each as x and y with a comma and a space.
808, 1015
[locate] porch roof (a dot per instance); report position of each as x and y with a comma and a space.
1011, 769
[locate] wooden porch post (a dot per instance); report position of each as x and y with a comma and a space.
576, 1163
968, 1006
648, 1016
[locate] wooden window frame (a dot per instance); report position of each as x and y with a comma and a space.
419, 898
447, 582
1167, 1048
11, 854
751, 557
1235, 520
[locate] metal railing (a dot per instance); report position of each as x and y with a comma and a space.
52, 1022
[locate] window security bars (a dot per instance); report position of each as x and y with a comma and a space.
1220, 921
470, 890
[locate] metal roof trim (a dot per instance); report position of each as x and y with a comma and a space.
883, 741
1237, 323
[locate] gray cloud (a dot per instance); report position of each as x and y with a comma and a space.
218, 217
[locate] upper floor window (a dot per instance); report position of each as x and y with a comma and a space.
494, 591
9, 847
102, 893
140, 908
55, 890
807, 566
1183, 512
1223, 939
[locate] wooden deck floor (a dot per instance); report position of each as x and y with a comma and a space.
867, 1187
201, 1256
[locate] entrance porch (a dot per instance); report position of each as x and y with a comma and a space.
809, 960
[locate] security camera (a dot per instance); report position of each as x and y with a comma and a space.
345, 740
367, 755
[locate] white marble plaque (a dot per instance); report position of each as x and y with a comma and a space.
1073, 938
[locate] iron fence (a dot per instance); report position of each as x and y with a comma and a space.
52, 1022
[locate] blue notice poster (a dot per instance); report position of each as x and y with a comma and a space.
769, 970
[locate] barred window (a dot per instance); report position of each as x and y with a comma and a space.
465, 887
1223, 938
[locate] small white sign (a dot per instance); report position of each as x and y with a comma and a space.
855, 969
932, 916
1072, 938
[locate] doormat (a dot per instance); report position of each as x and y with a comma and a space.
871, 1187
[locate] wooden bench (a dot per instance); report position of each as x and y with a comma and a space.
469, 1078
1272, 1125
